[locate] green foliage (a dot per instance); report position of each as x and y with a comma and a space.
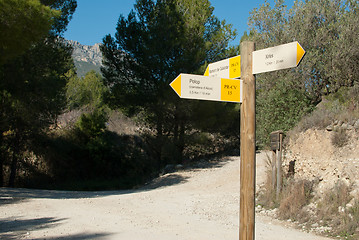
156, 42
216, 117
79, 160
82, 68
339, 106
67, 9
87, 91
33, 79
93, 124
22, 23
328, 31
279, 108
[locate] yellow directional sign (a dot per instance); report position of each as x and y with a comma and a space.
227, 68
266, 60
207, 88
276, 58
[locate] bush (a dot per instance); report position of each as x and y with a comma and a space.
89, 157
295, 195
279, 107
340, 138
332, 210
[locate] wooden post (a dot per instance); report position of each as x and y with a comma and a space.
248, 145
274, 169
279, 166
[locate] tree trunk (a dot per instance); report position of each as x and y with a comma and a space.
1, 170
181, 141
159, 138
14, 162
1, 161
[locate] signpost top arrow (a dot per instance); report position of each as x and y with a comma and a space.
276, 58
266, 60
300, 53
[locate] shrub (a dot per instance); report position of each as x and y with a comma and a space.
351, 227
332, 210
267, 196
340, 138
295, 195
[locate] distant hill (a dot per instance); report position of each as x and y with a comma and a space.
86, 58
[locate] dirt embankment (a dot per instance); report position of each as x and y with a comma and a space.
316, 157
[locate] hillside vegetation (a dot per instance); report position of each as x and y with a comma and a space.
321, 168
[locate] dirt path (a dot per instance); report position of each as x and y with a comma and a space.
194, 204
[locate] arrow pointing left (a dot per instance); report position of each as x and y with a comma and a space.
207, 88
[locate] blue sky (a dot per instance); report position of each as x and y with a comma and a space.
94, 19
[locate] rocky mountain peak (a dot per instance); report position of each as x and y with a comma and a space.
84, 53
86, 58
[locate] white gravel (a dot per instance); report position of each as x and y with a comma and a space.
190, 204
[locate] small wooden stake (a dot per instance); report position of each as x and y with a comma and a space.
248, 145
279, 167
274, 168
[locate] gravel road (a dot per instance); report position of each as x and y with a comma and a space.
198, 203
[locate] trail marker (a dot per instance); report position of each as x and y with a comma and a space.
207, 88
217, 85
277, 58
226, 68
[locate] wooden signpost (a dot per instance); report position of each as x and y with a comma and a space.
217, 85
248, 145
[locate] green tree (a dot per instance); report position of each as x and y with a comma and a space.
22, 24
327, 30
88, 91
32, 89
157, 41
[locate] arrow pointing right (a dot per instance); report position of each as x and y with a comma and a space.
276, 58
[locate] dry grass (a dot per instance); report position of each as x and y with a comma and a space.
295, 195
267, 196
333, 210
340, 138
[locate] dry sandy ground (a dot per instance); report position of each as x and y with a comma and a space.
201, 203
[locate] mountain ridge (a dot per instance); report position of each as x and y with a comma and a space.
86, 58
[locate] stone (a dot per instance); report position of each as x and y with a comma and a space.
179, 166
170, 168
329, 128
350, 127
356, 124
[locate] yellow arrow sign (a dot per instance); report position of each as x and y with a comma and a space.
300, 53
266, 60
276, 58
207, 88
227, 68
